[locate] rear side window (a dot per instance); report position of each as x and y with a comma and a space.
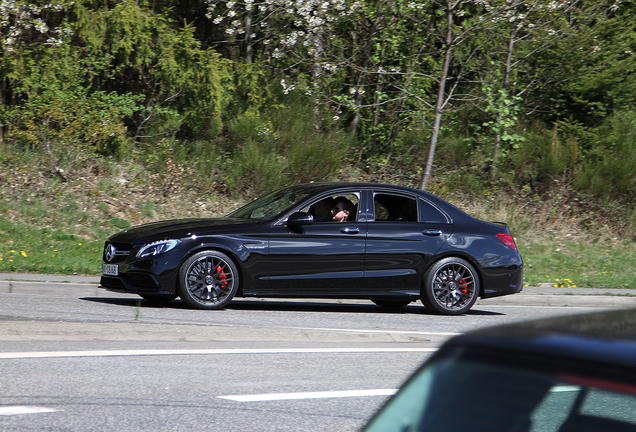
395, 208
430, 213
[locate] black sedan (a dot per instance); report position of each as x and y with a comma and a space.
389, 244
567, 374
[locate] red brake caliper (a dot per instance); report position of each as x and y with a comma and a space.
222, 276
465, 285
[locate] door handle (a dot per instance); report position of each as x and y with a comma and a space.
432, 233
350, 230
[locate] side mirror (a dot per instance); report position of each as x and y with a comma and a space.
298, 219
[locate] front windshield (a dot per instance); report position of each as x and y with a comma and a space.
271, 205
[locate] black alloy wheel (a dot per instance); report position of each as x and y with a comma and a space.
451, 287
208, 280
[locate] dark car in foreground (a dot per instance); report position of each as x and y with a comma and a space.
389, 244
566, 374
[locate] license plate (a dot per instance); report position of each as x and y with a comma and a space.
110, 269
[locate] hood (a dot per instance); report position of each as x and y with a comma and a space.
180, 228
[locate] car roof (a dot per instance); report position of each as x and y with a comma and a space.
318, 187
608, 337
330, 185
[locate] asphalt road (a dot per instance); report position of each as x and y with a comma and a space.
77, 358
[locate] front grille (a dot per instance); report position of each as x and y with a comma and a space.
116, 252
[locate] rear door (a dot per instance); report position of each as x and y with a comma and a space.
405, 232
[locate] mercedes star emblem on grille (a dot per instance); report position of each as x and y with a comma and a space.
110, 252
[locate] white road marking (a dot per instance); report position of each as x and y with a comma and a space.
15, 410
377, 331
309, 395
168, 352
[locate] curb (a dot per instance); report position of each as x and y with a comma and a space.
55, 288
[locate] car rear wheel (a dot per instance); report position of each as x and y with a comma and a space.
208, 280
451, 287
391, 303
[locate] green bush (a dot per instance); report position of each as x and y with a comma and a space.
608, 171
289, 146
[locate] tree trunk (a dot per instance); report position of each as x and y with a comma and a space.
439, 105
248, 37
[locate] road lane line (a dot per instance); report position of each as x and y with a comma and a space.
309, 395
15, 410
377, 331
169, 352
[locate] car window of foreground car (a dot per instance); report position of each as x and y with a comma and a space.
462, 391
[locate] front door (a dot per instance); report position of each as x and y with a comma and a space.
323, 258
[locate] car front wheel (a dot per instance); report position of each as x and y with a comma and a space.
208, 280
451, 287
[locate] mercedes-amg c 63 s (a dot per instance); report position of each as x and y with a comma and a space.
389, 244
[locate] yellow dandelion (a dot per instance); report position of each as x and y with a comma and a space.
79, 244
12, 251
23, 253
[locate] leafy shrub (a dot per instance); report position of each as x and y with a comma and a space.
609, 170
290, 146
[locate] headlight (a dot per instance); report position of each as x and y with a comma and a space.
156, 248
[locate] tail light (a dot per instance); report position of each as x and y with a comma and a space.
507, 240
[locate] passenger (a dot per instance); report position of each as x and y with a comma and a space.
344, 210
321, 211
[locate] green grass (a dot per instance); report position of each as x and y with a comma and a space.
579, 263
28, 249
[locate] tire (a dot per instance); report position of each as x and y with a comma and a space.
451, 287
391, 303
158, 298
208, 280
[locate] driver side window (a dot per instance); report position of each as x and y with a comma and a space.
334, 208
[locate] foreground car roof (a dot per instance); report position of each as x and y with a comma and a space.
569, 374
603, 336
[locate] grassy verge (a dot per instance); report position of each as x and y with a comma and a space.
48, 225
28, 249
576, 263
